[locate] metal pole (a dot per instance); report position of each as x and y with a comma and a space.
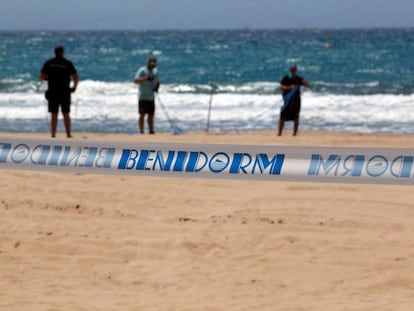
209, 107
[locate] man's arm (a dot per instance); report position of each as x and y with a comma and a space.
141, 79
43, 76
286, 85
75, 79
286, 88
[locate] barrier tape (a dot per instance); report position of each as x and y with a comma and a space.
246, 162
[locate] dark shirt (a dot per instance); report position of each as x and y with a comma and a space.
289, 80
58, 71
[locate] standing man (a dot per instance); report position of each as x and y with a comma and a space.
58, 72
290, 87
147, 79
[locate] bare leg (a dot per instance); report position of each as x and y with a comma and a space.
141, 122
295, 126
67, 122
53, 124
150, 121
281, 125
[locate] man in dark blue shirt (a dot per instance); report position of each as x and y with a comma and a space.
58, 72
290, 87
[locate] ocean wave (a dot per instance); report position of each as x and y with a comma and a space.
21, 85
101, 106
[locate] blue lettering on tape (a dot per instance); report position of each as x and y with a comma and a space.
197, 161
20, 153
402, 166
163, 164
4, 152
179, 162
359, 165
57, 155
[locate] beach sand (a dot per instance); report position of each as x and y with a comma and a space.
96, 242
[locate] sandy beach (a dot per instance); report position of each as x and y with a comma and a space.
95, 242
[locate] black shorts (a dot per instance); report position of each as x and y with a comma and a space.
146, 106
54, 102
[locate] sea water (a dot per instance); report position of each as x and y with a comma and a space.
362, 80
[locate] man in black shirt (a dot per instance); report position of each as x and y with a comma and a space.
58, 72
290, 87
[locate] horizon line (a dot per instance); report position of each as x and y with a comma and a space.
211, 29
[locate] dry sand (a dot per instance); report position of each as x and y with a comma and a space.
94, 242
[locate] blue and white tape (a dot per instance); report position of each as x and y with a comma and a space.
246, 162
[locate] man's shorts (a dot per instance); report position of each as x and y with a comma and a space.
146, 107
55, 101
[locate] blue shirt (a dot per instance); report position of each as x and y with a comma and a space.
146, 88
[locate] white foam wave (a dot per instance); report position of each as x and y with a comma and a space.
231, 107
